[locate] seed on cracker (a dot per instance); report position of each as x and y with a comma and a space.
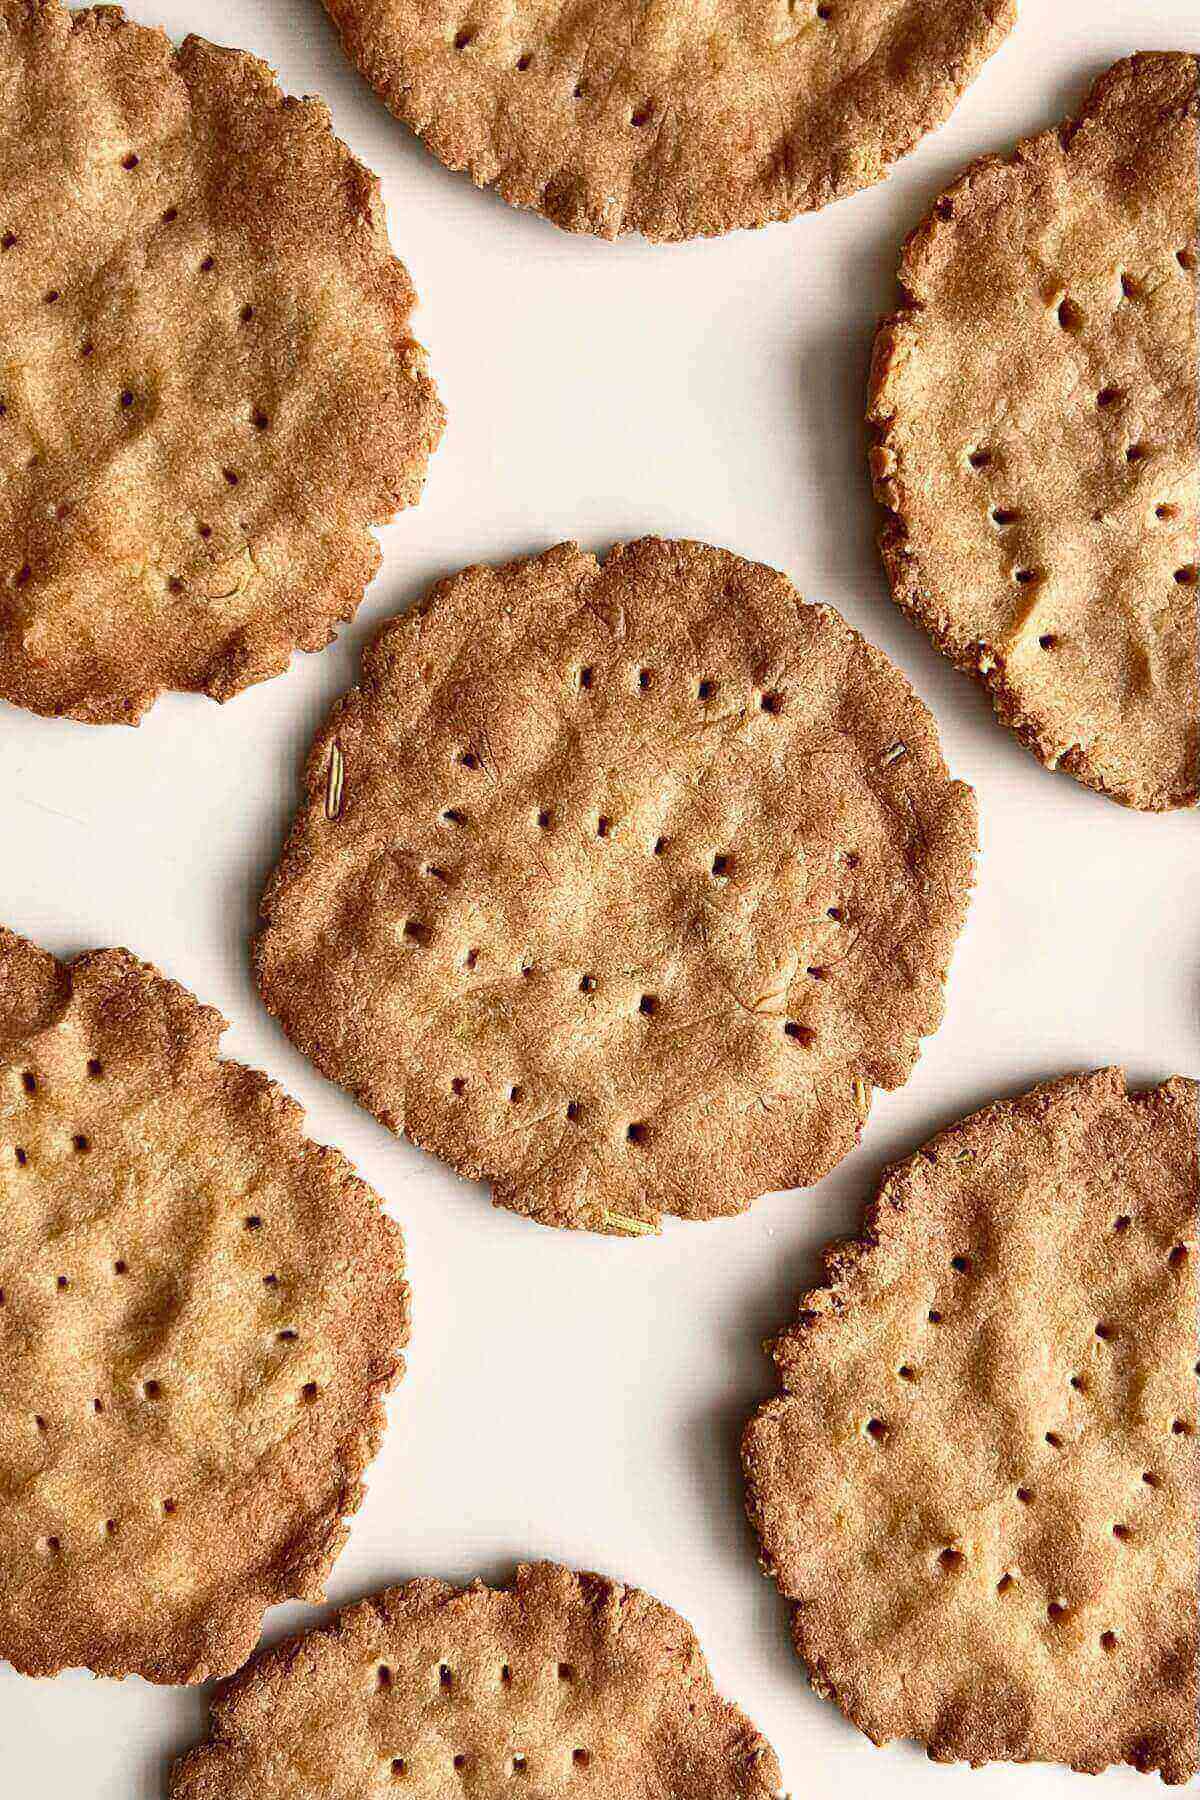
624, 906
208, 389
979, 1487
674, 120
1035, 404
200, 1312
568, 1683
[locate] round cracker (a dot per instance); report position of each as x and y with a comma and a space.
570, 1682
980, 1486
1035, 405
673, 120
209, 389
619, 886
200, 1312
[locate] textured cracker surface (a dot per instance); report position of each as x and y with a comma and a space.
566, 1683
678, 118
979, 1487
1036, 411
208, 391
200, 1312
619, 886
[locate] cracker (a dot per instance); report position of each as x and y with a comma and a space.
979, 1488
208, 390
1035, 407
574, 1684
675, 120
200, 1312
619, 886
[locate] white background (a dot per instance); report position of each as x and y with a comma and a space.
567, 1396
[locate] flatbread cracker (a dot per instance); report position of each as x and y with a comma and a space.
677, 120
980, 1487
619, 886
570, 1683
200, 1312
1036, 411
209, 391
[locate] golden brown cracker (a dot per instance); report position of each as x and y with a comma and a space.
620, 885
200, 1312
979, 1487
679, 119
569, 1683
208, 389
1036, 411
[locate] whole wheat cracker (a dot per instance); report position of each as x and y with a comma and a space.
1036, 411
618, 886
979, 1487
569, 1682
200, 1312
676, 120
209, 390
